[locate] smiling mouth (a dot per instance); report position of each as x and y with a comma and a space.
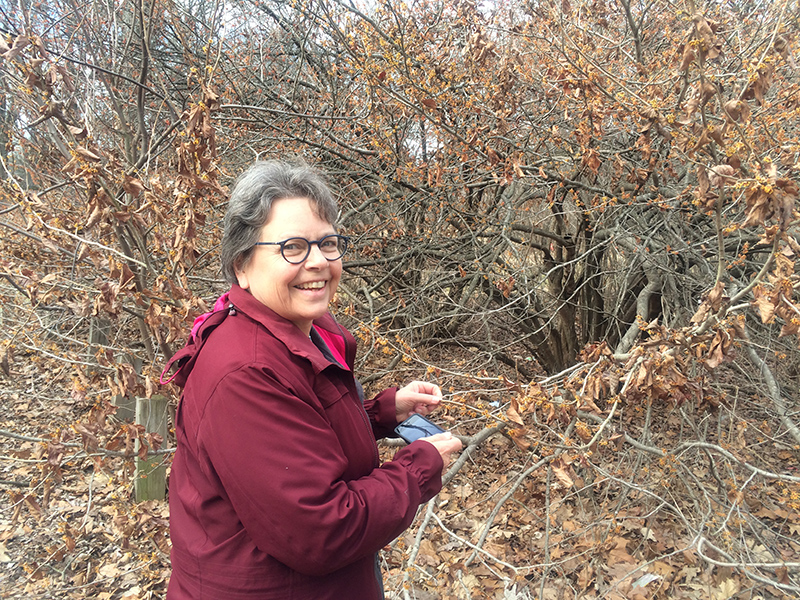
314, 285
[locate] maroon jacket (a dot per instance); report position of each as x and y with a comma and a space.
276, 491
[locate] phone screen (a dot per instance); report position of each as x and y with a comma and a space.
416, 427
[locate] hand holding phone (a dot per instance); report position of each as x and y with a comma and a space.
418, 397
416, 427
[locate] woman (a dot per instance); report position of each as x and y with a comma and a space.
276, 490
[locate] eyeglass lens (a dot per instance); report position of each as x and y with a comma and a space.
297, 249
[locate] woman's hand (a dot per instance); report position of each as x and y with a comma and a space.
418, 397
445, 443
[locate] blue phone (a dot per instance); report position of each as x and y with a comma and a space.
416, 427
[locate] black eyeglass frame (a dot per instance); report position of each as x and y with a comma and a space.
339, 238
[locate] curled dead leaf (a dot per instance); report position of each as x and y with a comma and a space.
716, 296
790, 327
737, 110
761, 84
703, 140
518, 437
709, 47
78, 132
617, 440
649, 113
707, 91
763, 304
688, 57
719, 349
133, 186
716, 134
592, 160
68, 83
513, 414
703, 180
759, 206
87, 154
4, 364
20, 43
722, 175
560, 470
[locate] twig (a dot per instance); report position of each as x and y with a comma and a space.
774, 565
773, 389
412, 556
490, 519
89, 502
603, 425
474, 547
760, 276
588, 375
689, 445
746, 567
746, 465
471, 444
546, 529
633, 442
727, 519
19, 484
86, 453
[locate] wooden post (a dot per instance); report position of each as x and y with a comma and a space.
151, 474
126, 408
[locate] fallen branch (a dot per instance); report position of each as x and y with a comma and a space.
774, 391
85, 453
746, 568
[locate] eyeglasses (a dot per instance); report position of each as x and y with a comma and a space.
295, 250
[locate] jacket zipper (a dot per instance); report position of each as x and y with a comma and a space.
359, 405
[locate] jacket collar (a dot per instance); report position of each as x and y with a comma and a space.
239, 300
284, 330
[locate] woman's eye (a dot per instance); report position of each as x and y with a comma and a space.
293, 247
329, 244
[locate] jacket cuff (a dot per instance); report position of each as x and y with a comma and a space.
424, 462
383, 413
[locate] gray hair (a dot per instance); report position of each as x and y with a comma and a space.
251, 202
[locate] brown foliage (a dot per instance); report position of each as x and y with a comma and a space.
578, 217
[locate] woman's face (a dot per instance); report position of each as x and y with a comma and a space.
299, 293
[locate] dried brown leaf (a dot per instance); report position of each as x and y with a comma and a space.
20, 43
87, 154
722, 175
132, 186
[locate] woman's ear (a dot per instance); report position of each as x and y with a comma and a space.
241, 275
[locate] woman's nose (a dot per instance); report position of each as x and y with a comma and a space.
315, 257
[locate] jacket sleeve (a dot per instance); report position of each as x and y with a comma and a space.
382, 413
282, 466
